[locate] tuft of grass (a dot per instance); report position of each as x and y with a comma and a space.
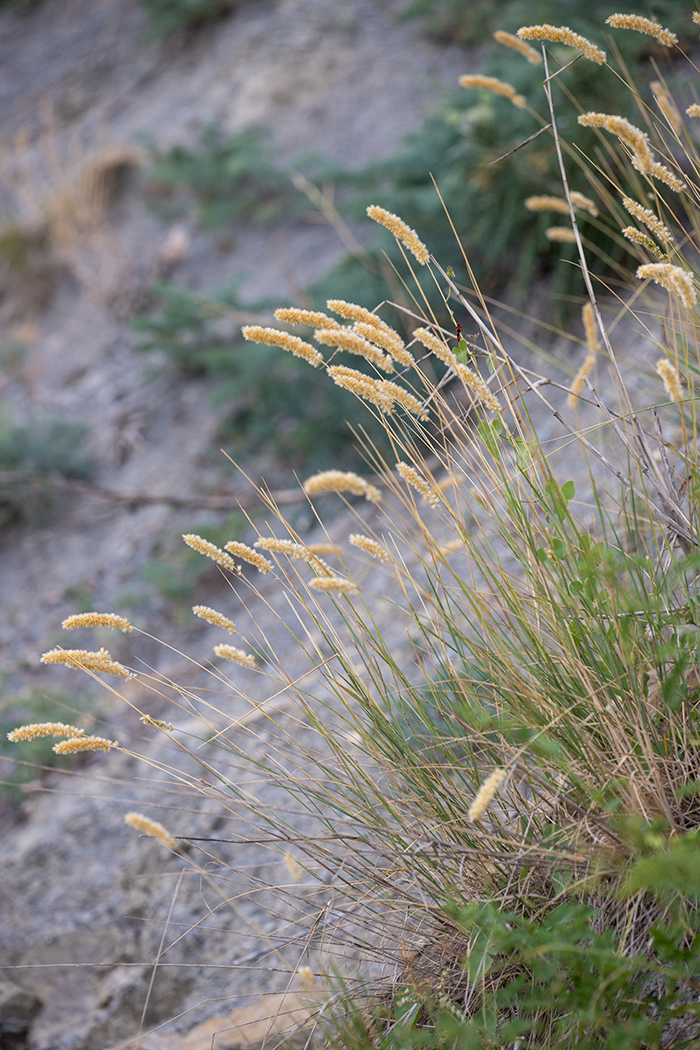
493, 752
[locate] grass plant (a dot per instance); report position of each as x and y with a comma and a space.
495, 733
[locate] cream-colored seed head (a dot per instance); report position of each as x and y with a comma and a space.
312, 318
478, 387
341, 481
437, 346
334, 584
674, 278
498, 87
694, 110
643, 25
401, 231
390, 341
371, 547
273, 337
637, 237
159, 723
648, 218
236, 656
241, 550
84, 660
354, 343
633, 137
486, 794
42, 729
94, 619
151, 828
216, 618
563, 35
560, 234
210, 550
83, 743
411, 476
671, 378
508, 40
580, 378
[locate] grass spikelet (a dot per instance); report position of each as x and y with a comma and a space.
388, 339
560, 204
411, 476
84, 660
694, 110
293, 866
210, 550
327, 548
438, 346
334, 585
673, 278
580, 378
402, 397
157, 722
643, 25
150, 827
508, 40
361, 385
216, 618
671, 378
41, 729
353, 312
341, 481
634, 235
661, 172
246, 553
590, 327
635, 139
78, 744
493, 84
312, 318
354, 343
696, 17
667, 105
560, 234
563, 35
371, 547
236, 656
295, 551
647, 217
403, 233
93, 619
486, 793
274, 337
478, 387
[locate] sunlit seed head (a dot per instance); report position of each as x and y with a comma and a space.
334, 585
338, 481
694, 110
480, 389
286, 341
43, 729
411, 476
648, 218
643, 25
210, 550
390, 341
216, 618
590, 327
354, 343
77, 744
497, 87
674, 278
635, 235
312, 318
236, 656
293, 866
150, 827
671, 378
667, 106
94, 619
397, 395
508, 40
401, 231
371, 547
157, 722
246, 553
85, 660
633, 137
662, 173
437, 346
580, 378
563, 35
486, 794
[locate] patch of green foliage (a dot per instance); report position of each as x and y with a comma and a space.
278, 404
172, 16
231, 178
32, 455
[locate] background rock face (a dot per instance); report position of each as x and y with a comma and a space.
86, 906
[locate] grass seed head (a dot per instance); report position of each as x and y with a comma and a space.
673, 278
214, 617
498, 87
371, 547
150, 827
246, 553
274, 337
563, 35
671, 378
94, 619
41, 729
76, 744
86, 661
389, 340
341, 481
334, 585
635, 235
560, 234
647, 217
411, 476
580, 378
312, 318
633, 137
401, 231
210, 550
236, 656
478, 387
438, 346
486, 793
354, 343
508, 40
643, 25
